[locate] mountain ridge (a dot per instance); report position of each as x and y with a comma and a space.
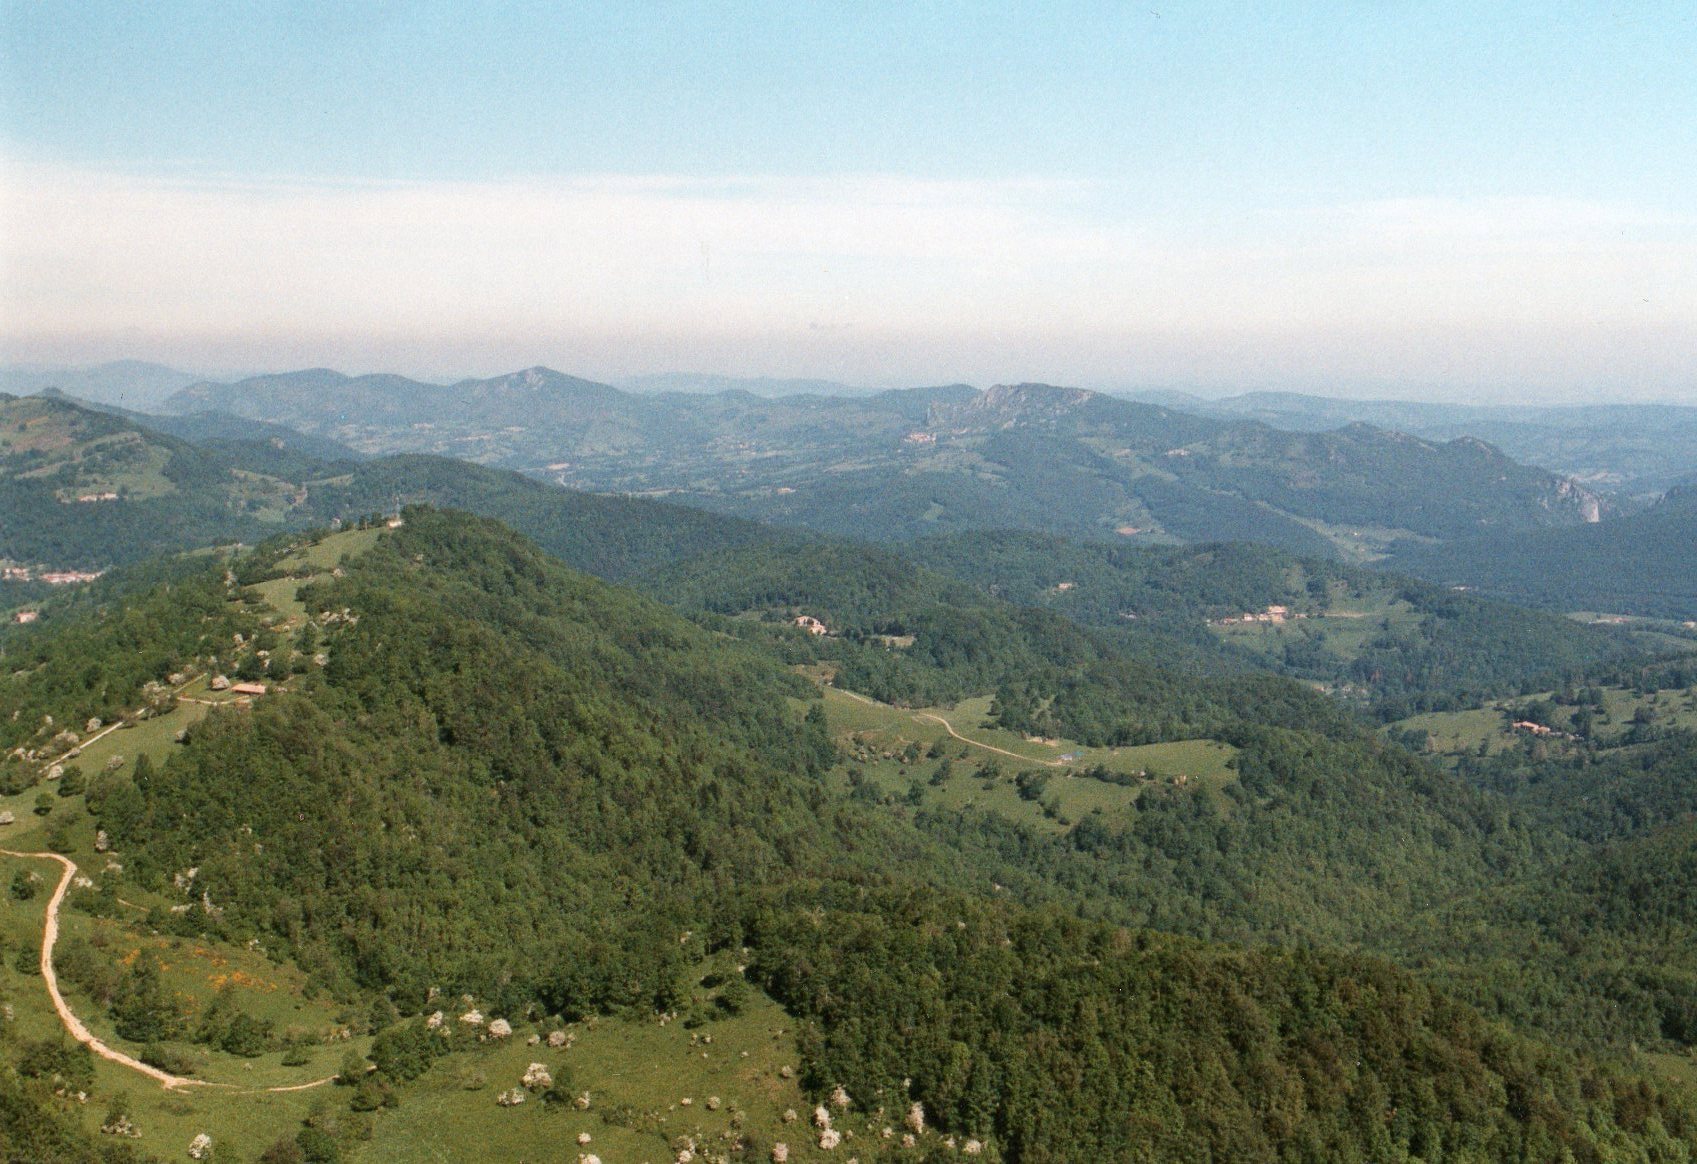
901, 463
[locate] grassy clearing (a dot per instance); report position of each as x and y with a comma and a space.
649, 1086
911, 754
242, 1117
1361, 543
1348, 624
314, 559
1680, 1068
1452, 733
244, 1124
280, 595
329, 551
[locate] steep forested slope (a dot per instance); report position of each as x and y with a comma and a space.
1068, 1041
1644, 563
544, 768
610, 537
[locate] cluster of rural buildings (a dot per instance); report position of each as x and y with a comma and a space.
51, 577
1273, 614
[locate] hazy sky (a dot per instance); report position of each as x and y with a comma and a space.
1385, 197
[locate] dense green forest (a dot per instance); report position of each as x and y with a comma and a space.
1644, 563
509, 780
1061, 1040
519, 751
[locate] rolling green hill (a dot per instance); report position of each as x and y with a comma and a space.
1637, 449
171, 492
483, 778
81, 489
1384, 641
1394, 644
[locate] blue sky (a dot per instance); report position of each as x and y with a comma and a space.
1381, 198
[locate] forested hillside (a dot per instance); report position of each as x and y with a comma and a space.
1645, 563
89, 489
1636, 449
81, 490
1395, 644
480, 774
608, 536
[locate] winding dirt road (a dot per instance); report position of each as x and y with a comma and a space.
926, 716
49, 936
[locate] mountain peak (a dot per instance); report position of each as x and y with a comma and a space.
537, 379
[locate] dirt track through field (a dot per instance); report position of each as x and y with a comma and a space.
950, 728
79, 1032
49, 936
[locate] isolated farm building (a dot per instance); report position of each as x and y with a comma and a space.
810, 624
248, 689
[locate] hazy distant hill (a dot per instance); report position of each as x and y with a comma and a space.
87, 488
705, 382
129, 383
1638, 448
1645, 563
220, 429
907, 463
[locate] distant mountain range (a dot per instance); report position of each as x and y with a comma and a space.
1636, 448
905, 463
